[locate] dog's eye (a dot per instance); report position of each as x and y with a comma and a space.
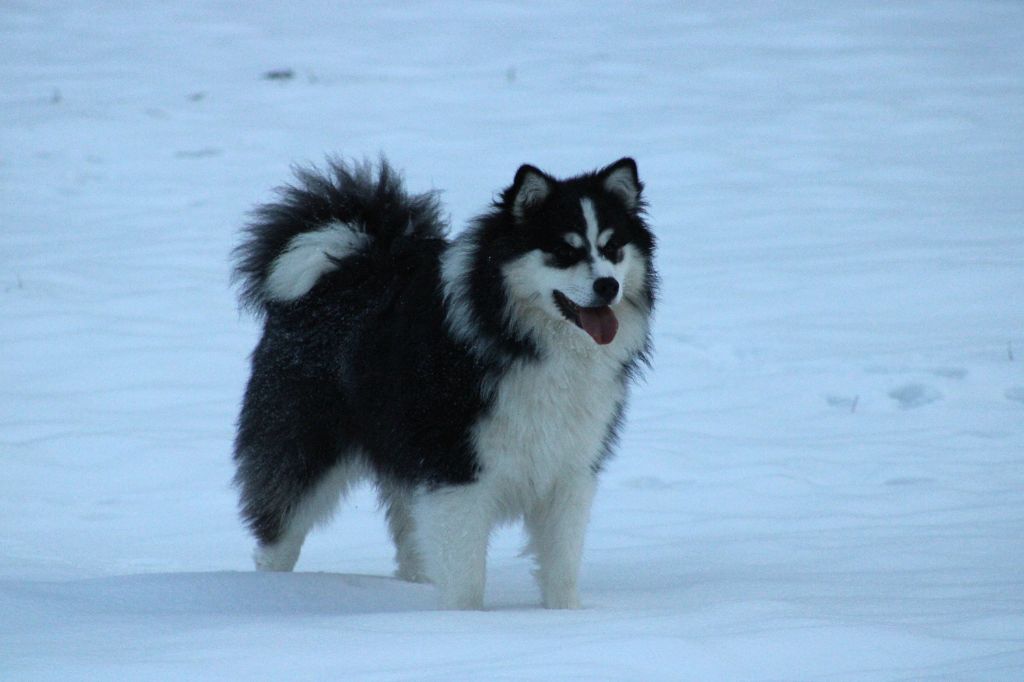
613, 249
566, 253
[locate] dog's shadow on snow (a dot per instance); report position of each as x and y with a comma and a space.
228, 593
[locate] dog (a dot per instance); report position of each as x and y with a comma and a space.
476, 381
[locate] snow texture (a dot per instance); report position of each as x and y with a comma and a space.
823, 477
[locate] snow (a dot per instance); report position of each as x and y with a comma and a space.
821, 478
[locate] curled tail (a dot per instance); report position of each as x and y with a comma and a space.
322, 219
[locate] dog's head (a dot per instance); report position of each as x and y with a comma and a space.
582, 248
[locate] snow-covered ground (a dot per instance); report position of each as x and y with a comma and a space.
823, 477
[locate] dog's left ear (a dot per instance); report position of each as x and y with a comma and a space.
621, 179
530, 187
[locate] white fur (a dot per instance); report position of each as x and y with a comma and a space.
590, 220
605, 268
456, 264
531, 281
599, 265
550, 417
557, 525
453, 526
280, 556
306, 258
402, 527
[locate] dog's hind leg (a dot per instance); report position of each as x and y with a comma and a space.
452, 528
556, 526
397, 503
286, 512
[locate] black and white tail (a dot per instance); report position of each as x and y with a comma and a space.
322, 219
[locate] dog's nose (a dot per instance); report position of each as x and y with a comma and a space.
606, 288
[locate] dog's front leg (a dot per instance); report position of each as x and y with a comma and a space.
557, 525
452, 527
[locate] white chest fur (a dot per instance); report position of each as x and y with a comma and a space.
550, 418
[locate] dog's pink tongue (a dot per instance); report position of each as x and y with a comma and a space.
600, 323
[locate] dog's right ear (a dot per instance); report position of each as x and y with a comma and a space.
530, 187
621, 179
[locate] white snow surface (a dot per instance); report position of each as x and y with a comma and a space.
822, 477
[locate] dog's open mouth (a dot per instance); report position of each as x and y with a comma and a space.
599, 322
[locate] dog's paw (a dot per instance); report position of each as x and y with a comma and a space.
411, 575
276, 558
462, 602
568, 600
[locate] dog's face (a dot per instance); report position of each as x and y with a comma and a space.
583, 244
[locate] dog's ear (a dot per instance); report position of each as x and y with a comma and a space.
530, 187
621, 179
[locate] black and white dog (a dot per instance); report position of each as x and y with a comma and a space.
476, 381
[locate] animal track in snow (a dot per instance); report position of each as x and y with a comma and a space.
843, 402
914, 395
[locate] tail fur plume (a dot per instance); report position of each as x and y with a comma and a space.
323, 218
